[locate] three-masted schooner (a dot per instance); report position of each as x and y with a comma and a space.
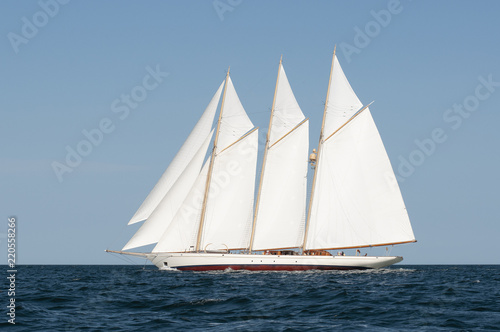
201, 214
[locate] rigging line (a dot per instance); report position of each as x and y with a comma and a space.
369, 245
120, 233
125, 258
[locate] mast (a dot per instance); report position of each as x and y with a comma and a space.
264, 159
318, 155
210, 169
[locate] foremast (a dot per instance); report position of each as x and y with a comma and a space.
211, 166
226, 204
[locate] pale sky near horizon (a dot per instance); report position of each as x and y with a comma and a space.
433, 69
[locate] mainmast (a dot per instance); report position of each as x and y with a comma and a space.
210, 169
318, 155
264, 159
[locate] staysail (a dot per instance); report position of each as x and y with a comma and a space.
181, 233
355, 201
281, 203
180, 161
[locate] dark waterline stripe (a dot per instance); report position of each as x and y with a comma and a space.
265, 267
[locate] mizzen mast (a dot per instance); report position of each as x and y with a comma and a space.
318, 154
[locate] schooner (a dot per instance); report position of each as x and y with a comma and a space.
202, 216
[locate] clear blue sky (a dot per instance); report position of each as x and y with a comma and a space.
63, 67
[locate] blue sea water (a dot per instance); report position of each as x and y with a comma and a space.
136, 298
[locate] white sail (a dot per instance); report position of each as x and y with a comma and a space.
355, 204
287, 113
153, 228
181, 234
281, 211
180, 161
234, 122
228, 217
342, 101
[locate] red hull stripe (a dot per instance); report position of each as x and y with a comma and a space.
269, 267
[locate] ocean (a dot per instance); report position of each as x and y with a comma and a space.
142, 298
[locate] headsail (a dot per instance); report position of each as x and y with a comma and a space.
281, 205
153, 228
179, 163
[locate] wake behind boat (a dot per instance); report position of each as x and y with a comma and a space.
201, 214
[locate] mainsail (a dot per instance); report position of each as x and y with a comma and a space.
354, 202
180, 161
281, 204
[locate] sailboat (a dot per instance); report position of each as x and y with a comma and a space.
202, 216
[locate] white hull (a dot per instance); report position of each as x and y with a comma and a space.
219, 261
